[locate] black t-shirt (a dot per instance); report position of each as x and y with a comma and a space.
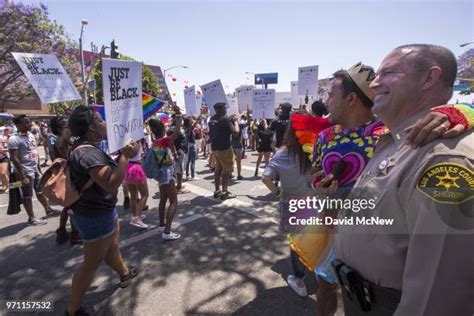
180, 143
94, 200
220, 129
279, 126
265, 140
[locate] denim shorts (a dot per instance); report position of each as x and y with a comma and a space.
94, 228
27, 189
165, 175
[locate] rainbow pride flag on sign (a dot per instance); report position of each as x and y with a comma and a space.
150, 105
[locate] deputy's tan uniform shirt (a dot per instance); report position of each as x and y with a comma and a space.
428, 252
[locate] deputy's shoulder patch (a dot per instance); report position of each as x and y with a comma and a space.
448, 183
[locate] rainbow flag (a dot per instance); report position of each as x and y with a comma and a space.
150, 105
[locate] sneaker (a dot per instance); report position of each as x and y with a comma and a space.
52, 212
137, 222
170, 236
126, 203
80, 312
61, 236
126, 280
297, 284
240, 178
217, 194
186, 178
76, 238
228, 195
34, 221
194, 178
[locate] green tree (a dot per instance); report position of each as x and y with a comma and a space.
28, 29
149, 83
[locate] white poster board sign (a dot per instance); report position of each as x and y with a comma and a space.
296, 100
282, 97
233, 105
308, 81
199, 101
244, 95
462, 98
122, 86
263, 103
213, 92
190, 101
47, 76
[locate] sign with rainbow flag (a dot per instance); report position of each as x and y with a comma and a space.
150, 105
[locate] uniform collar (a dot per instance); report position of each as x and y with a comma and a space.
398, 133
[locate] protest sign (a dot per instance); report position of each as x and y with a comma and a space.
213, 92
122, 86
263, 101
244, 96
295, 98
190, 101
233, 105
282, 97
48, 77
308, 81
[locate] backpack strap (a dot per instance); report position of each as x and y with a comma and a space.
91, 181
87, 186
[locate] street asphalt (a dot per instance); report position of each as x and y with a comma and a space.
231, 259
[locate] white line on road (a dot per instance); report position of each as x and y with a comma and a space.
240, 205
147, 234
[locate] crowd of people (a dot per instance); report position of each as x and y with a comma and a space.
366, 135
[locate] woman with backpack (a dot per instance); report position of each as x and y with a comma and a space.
163, 151
94, 214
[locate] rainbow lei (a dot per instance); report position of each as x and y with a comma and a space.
307, 129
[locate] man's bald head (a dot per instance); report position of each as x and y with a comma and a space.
425, 56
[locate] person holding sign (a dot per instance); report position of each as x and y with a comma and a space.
95, 215
220, 129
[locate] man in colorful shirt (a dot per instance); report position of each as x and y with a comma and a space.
353, 141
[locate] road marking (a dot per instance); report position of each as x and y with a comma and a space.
240, 205
147, 234
6, 205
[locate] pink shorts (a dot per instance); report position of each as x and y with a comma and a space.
135, 174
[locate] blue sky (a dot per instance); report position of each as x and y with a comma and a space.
224, 39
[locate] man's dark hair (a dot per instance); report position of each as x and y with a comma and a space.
80, 120
319, 108
18, 118
56, 124
348, 86
427, 56
285, 108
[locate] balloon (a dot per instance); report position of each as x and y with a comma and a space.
198, 92
174, 79
186, 86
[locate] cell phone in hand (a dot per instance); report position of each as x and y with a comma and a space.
337, 171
